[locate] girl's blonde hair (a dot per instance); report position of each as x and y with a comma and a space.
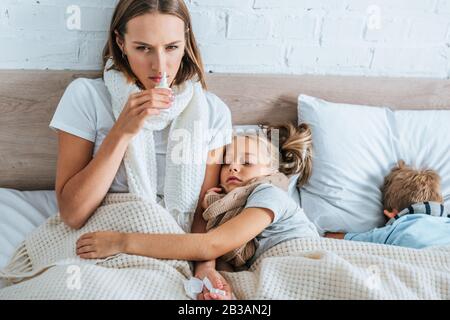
290, 148
191, 64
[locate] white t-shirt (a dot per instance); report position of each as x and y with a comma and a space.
85, 111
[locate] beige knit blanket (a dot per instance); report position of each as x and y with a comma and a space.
47, 267
223, 207
296, 269
330, 269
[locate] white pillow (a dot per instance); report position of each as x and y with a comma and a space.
424, 141
20, 213
355, 147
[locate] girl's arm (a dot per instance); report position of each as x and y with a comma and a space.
198, 247
207, 268
201, 246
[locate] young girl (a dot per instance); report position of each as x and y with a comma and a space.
250, 212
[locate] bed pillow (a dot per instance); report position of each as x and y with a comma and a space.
20, 213
355, 147
424, 141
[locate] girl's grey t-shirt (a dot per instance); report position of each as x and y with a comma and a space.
290, 222
85, 111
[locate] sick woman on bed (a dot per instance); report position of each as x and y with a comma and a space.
248, 213
115, 132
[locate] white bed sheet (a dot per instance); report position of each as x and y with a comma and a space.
20, 213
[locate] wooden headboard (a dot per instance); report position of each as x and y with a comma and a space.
28, 100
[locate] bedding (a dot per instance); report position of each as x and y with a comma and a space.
295, 269
49, 253
23, 211
20, 213
424, 141
355, 147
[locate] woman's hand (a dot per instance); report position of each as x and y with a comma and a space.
98, 245
139, 107
204, 202
217, 280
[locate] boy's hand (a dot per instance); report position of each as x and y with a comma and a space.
335, 235
215, 189
98, 245
390, 214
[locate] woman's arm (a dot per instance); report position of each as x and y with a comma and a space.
82, 181
192, 246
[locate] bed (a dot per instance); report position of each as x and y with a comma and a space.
28, 161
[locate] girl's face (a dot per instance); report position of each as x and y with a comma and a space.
244, 160
154, 44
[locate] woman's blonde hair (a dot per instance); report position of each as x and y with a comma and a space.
290, 148
191, 64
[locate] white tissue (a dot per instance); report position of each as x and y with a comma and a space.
194, 286
210, 287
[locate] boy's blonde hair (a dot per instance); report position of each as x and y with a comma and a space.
405, 186
291, 153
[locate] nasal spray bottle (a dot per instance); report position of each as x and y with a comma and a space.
163, 83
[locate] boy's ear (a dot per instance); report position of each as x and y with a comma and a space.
390, 214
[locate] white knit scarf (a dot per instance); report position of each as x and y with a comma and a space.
186, 149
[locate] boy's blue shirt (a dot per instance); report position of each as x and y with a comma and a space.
421, 225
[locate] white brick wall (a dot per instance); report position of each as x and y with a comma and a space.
348, 37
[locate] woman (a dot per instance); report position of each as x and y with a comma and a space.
146, 39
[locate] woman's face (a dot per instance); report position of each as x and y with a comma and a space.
245, 159
154, 44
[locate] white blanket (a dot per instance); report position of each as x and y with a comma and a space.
297, 269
